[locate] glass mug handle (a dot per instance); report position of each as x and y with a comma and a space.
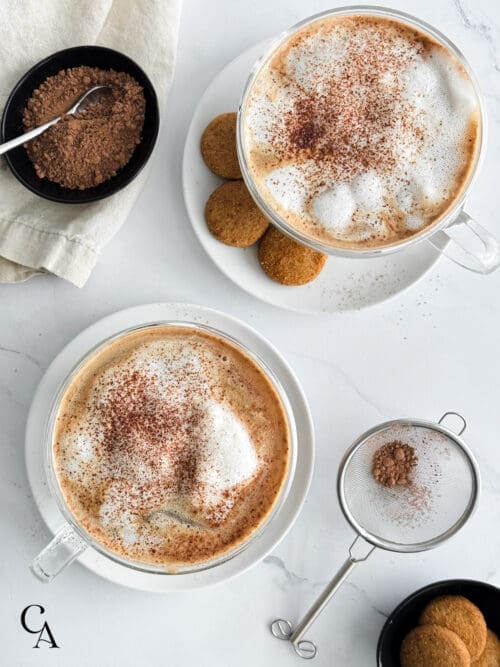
468, 244
58, 554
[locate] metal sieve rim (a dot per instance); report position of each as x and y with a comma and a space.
389, 545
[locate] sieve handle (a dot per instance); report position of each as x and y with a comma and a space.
454, 414
282, 629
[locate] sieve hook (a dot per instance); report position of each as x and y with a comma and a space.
455, 414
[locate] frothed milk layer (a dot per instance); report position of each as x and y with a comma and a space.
171, 446
360, 131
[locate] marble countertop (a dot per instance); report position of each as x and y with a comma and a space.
434, 348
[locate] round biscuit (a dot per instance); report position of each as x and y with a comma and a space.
462, 617
233, 217
288, 262
490, 657
218, 146
433, 646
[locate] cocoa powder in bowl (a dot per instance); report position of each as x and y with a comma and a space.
86, 149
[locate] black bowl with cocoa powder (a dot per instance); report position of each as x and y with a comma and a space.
12, 123
406, 615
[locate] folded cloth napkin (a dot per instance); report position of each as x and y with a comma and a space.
37, 235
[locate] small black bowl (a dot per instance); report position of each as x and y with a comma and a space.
12, 123
405, 617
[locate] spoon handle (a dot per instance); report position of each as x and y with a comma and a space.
27, 136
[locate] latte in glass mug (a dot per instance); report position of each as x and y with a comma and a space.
361, 131
171, 446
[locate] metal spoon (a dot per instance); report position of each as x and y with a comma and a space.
176, 515
92, 96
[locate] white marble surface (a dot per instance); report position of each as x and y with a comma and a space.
435, 348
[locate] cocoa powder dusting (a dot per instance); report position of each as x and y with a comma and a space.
393, 464
85, 149
342, 125
338, 126
139, 426
144, 450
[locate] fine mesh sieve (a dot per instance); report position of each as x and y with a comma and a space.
420, 515
441, 497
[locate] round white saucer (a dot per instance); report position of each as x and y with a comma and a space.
155, 312
344, 284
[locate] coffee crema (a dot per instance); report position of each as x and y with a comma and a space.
171, 446
361, 131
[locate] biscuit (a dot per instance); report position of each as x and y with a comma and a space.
233, 217
490, 657
218, 146
288, 262
461, 617
433, 646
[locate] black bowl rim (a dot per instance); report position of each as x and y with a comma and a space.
92, 197
425, 589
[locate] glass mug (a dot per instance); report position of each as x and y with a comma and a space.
455, 234
72, 539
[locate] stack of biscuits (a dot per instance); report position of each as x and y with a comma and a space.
452, 633
234, 219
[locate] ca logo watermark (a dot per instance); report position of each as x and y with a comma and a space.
44, 633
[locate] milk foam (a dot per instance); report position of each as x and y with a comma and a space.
429, 100
170, 446
227, 455
224, 452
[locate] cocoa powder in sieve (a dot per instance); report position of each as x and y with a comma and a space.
85, 149
393, 463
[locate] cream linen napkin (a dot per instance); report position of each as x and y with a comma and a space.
37, 235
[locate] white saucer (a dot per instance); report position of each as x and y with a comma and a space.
344, 284
112, 324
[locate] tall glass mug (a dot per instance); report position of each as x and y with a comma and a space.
73, 539
454, 233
